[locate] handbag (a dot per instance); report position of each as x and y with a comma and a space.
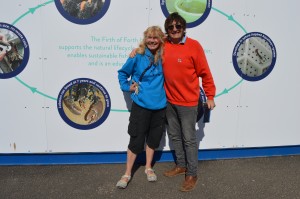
203, 109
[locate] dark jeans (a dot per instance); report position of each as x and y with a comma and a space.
182, 132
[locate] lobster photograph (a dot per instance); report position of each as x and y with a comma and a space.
83, 103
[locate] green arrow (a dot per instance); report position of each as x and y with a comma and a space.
34, 90
235, 85
225, 91
230, 18
31, 10
45, 95
23, 15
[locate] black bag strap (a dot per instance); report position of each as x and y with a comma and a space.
146, 69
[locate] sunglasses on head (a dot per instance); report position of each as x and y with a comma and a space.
177, 26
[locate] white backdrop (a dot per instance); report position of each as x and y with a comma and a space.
250, 114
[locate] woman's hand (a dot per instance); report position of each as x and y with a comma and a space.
133, 86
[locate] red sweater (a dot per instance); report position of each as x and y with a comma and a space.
183, 64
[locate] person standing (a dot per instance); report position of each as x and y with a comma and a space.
147, 116
184, 63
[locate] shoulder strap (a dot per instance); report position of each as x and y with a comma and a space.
143, 73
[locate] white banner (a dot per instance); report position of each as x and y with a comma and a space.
55, 50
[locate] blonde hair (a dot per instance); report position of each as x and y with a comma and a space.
154, 31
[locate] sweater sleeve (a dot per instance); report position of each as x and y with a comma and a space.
203, 71
125, 73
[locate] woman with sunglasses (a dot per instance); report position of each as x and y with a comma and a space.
184, 62
147, 116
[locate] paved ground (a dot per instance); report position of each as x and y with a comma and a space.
255, 178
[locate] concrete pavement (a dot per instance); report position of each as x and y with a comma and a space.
265, 178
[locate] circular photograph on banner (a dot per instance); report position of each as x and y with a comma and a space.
14, 51
193, 11
83, 103
254, 56
82, 11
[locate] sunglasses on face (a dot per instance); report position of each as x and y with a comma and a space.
177, 26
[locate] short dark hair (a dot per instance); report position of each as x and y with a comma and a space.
177, 18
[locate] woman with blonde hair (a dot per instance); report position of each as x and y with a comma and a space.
147, 116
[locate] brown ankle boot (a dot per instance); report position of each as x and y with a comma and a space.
189, 183
175, 171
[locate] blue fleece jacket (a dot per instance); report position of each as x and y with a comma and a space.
151, 93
